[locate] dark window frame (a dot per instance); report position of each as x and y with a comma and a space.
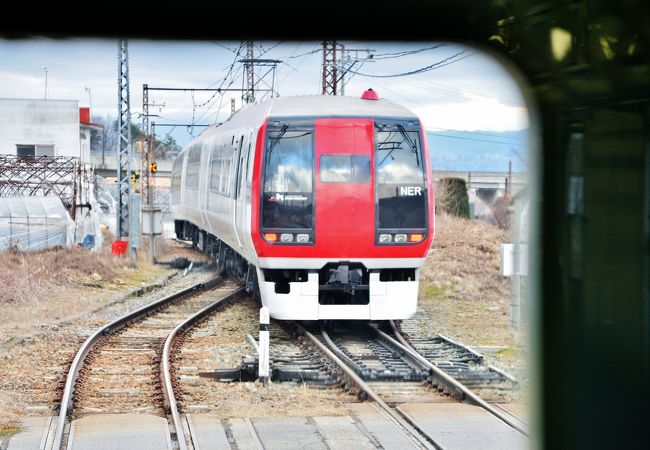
23, 148
410, 125
301, 124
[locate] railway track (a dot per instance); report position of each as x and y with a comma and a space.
222, 348
125, 365
129, 366
390, 372
459, 361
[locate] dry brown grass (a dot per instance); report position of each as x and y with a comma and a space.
26, 276
10, 416
281, 399
465, 254
44, 289
462, 293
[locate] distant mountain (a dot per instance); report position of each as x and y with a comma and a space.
480, 151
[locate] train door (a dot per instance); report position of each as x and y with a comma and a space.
238, 210
344, 184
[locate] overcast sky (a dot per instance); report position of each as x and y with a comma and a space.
468, 91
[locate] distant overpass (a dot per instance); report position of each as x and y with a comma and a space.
108, 167
475, 180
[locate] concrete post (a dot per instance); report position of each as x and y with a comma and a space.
264, 345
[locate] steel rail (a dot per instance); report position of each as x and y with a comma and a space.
417, 436
170, 397
87, 346
465, 347
447, 381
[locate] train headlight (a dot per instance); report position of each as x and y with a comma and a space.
271, 237
302, 238
385, 238
416, 237
400, 238
286, 237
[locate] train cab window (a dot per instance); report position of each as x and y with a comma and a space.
288, 179
399, 168
344, 168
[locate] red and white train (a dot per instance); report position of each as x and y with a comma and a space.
324, 203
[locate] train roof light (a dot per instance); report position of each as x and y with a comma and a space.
370, 95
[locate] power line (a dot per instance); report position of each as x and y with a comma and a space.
268, 49
479, 133
436, 65
473, 139
230, 71
405, 53
311, 52
223, 46
232, 65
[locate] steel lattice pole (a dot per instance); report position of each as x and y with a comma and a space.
123, 140
146, 144
329, 68
250, 73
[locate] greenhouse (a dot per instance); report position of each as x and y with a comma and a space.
34, 223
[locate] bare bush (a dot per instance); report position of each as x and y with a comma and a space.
452, 197
501, 212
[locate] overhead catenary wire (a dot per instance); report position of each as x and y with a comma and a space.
475, 139
437, 65
520, 139
230, 71
381, 56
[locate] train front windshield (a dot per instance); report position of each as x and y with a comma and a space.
401, 184
288, 194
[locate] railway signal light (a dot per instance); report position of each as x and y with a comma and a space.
135, 176
153, 167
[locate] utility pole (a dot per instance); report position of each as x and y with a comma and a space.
144, 140
148, 142
347, 62
337, 61
123, 145
509, 188
45, 69
330, 77
250, 62
249, 95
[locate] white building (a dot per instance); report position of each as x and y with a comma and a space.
37, 127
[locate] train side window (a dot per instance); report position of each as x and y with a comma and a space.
193, 166
220, 170
177, 171
224, 185
215, 175
249, 162
241, 169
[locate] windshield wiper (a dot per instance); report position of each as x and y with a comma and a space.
407, 138
275, 141
395, 146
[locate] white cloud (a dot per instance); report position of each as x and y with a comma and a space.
478, 114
